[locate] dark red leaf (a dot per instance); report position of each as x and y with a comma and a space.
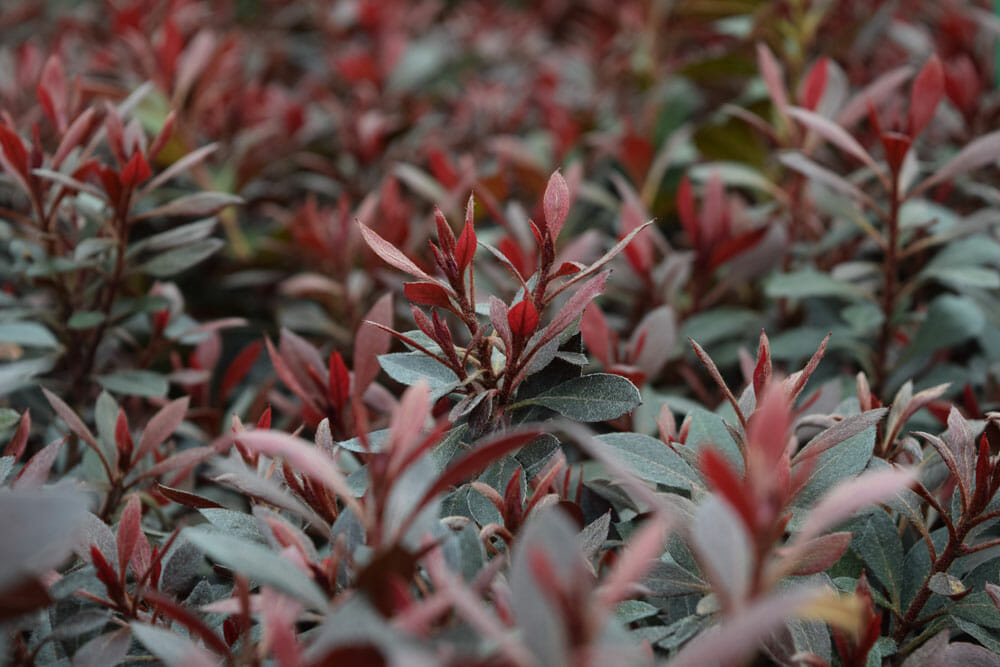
736, 246
14, 152
486, 452
446, 237
22, 598
687, 211
123, 440
928, 89
340, 381
512, 502
814, 84
722, 479
466, 247
181, 614
239, 367
106, 574
428, 294
136, 171
522, 318
187, 498
391, 254
568, 269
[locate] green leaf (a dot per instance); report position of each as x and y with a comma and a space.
590, 398
988, 639
236, 524
630, 611
410, 367
964, 276
652, 460
809, 283
179, 259
85, 319
668, 579
172, 649
950, 320
27, 333
257, 562
878, 545
718, 324
845, 459
135, 383
708, 430
8, 418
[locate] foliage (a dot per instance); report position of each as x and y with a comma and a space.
342, 333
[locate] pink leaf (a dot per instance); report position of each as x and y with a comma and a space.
36, 470
129, 528
20, 439
304, 458
837, 136
408, 420
498, 316
162, 426
556, 204
371, 344
819, 553
596, 334
639, 555
848, 497
391, 254
574, 307
773, 78
981, 151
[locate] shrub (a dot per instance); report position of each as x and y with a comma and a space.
266, 400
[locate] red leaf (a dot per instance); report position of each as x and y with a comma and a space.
928, 89
106, 574
523, 318
15, 153
445, 236
736, 246
340, 381
239, 367
486, 452
568, 269
714, 222
814, 84
723, 480
512, 502
687, 211
762, 371
428, 294
20, 440
136, 171
264, 421
466, 247
123, 440
128, 533
555, 204
187, 618
371, 344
